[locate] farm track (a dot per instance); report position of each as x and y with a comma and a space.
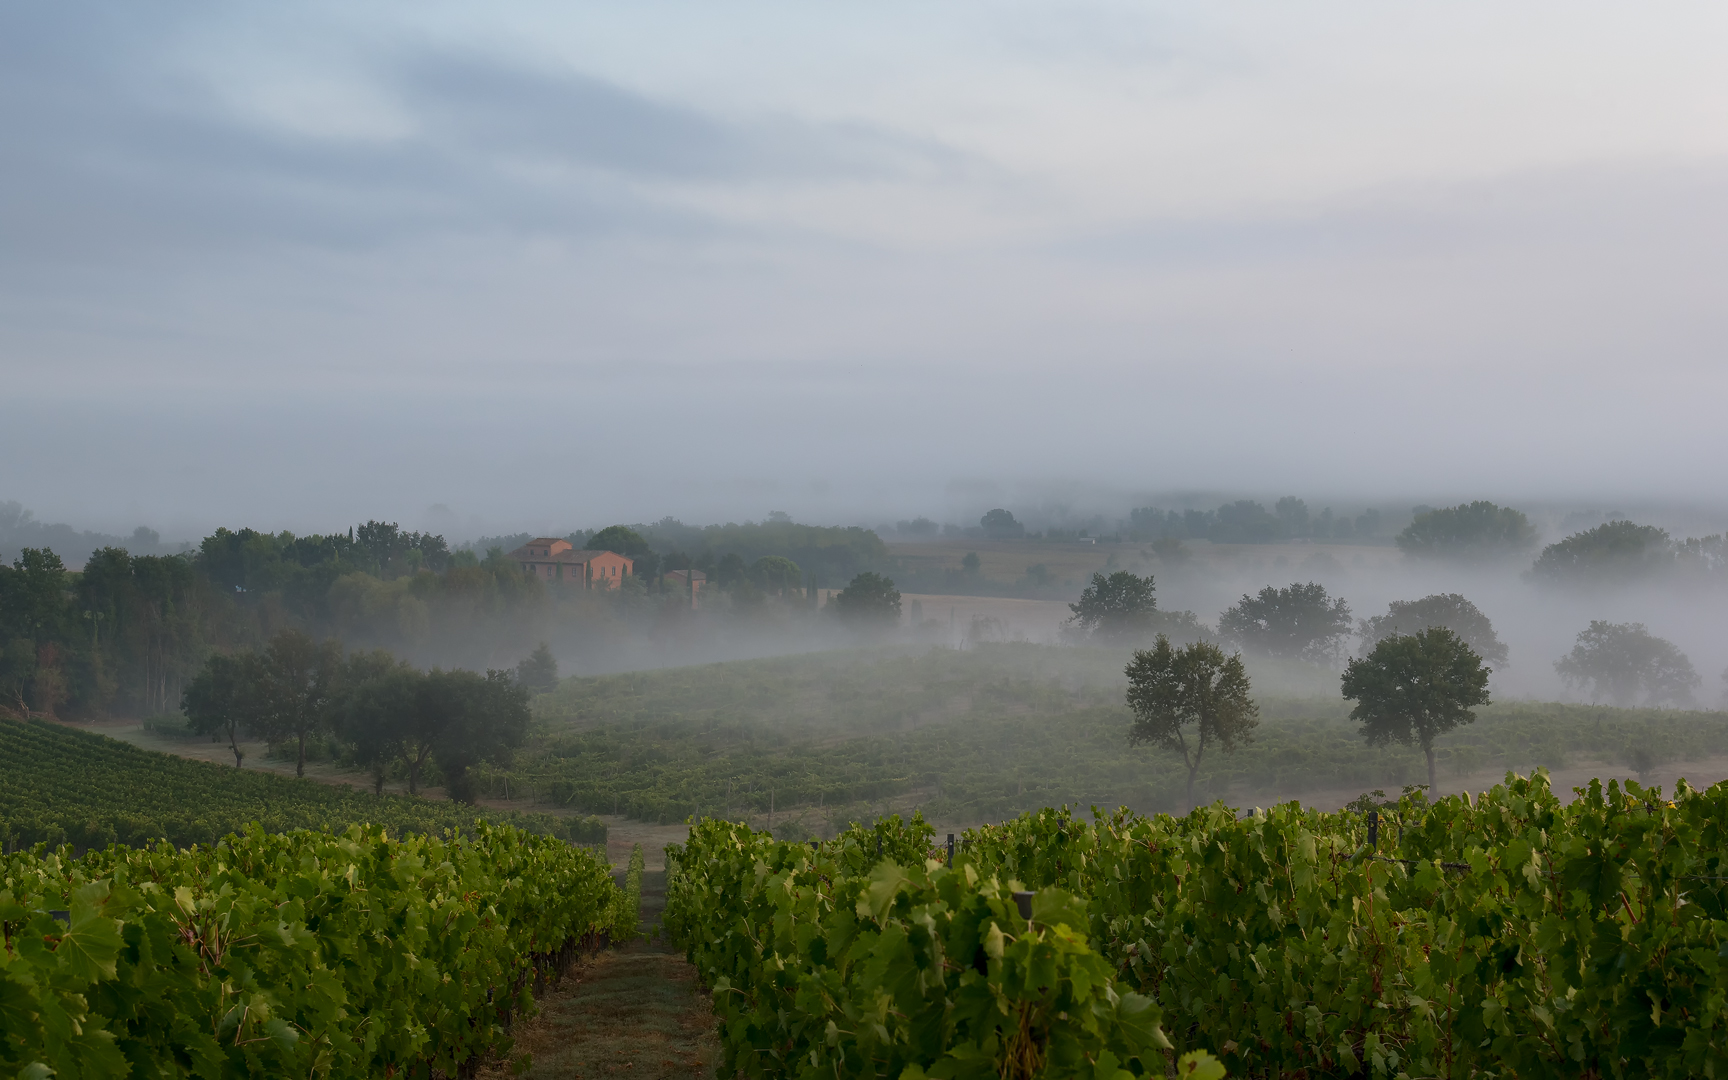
635, 1011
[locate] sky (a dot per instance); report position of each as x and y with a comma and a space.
552, 265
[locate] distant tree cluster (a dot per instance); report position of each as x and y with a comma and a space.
869, 602
1122, 608
1615, 553
1472, 532
999, 524
732, 553
1248, 522
1621, 552
1449, 610
19, 529
1299, 622
130, 630
386, 713
1624, 662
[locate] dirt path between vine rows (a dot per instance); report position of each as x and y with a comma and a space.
635, 1011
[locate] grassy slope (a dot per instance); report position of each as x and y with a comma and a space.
989, 732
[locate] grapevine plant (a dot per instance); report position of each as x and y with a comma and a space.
296, 954
1506, 935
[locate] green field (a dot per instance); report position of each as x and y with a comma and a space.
58, 785
992, 731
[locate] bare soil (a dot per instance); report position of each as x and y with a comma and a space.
635, 1011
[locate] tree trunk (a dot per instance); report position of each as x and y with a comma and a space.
1433, 790
300, 766
234, 745
1192, 769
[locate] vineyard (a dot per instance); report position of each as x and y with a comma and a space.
1507, 935
298, 954
992, 732
58, 785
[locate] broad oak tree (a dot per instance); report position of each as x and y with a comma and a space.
1610, 554
1621, 660
1450, 610
1413, 688
300, 677
1301, 622
1188, 700
870, 600
1472, 531
226, 697
1116, 608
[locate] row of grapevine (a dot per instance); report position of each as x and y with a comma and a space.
59, 785
859, 958
1507, 935
296, 954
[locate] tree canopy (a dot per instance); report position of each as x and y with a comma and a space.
1247, 522
999, 524
832, 553
1195, 688
387, 712
619, 539
776, 574
301, 681
1609, 554
869, 600
1299, 622
1623, 661
1413, 688
1120, 607
1441, 609
538, 671
226, 698
1470, 531
286, 693
131, 630
470, 718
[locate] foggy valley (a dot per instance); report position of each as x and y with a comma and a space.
754, 541
979, 642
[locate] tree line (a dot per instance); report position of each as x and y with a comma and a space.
384, 713
733, 554
1613, 553
128, 631
1245, 521
1619, 662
